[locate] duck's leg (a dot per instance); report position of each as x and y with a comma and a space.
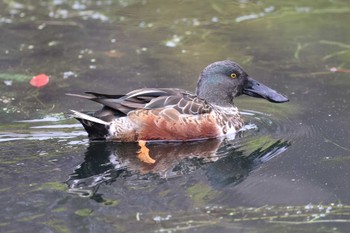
143, 153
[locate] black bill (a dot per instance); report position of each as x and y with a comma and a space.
255, 89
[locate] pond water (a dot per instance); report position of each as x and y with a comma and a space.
287, 170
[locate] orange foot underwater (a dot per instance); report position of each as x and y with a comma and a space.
143, 153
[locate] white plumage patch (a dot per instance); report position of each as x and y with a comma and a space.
87, 117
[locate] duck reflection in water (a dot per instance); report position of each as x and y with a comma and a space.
224, 162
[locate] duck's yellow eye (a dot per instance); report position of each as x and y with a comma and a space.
233, 75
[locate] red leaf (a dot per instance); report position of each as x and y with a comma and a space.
39, 80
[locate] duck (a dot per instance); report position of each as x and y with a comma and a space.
174, 114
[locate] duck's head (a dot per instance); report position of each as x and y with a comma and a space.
222, 81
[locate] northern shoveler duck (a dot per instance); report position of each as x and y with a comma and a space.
171, 114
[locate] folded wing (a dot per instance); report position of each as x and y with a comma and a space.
148, 98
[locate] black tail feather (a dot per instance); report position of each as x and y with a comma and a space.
95, 127
95, 130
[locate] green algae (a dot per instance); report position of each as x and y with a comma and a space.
84, 212
53, 186
31, 217
200, 194
57, 225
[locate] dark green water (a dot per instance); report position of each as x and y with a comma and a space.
287, 171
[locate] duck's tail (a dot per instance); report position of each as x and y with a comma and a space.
96, 128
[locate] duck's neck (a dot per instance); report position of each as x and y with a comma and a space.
215, 97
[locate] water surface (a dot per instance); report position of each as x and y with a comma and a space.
287, 170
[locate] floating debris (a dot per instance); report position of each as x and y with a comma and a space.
8, 82
336, 70
114, 53
249, 17
255, 15
39, 80
6, 100
160, 219
69, 74
173, 42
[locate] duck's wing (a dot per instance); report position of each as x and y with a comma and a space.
151, 98
186, 103
181, 100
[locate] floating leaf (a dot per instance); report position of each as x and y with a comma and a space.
39, 80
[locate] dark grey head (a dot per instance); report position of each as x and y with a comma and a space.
222, 81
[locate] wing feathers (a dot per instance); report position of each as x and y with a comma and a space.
151, 98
